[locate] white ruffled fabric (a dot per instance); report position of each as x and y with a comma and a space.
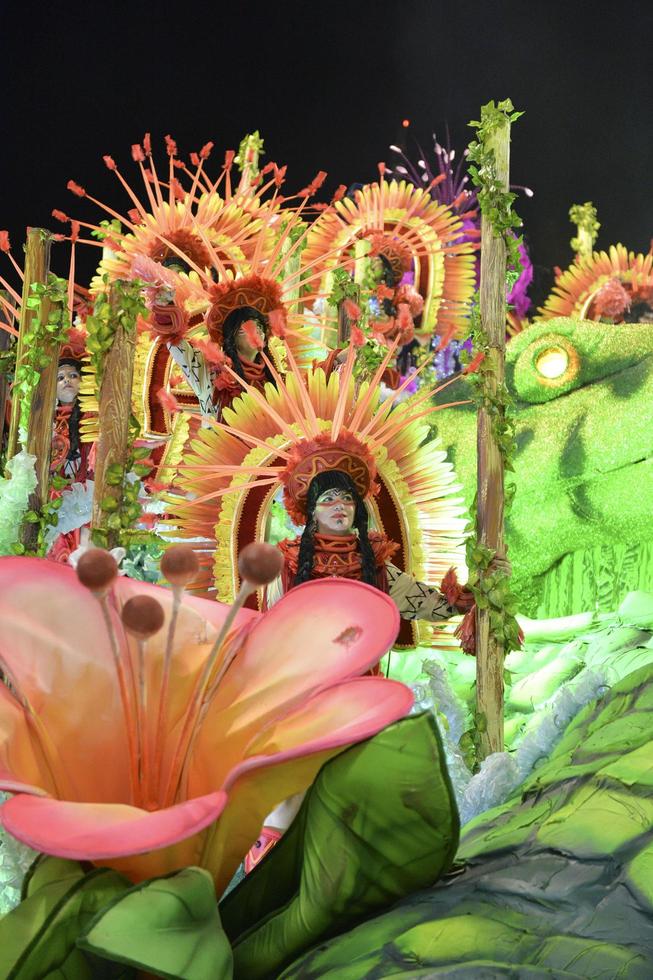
14, 498
75, 511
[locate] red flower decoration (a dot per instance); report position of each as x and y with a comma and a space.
277, 321
254, 338
357, 337
352, 310
474, 364
167, 401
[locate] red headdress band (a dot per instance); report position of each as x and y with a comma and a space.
261, 294
321, 455
188, 243
75, 346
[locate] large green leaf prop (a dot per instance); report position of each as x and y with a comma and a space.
379, 822
169, 926
38, 938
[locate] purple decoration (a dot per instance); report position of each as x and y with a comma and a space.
453, 192
517, 296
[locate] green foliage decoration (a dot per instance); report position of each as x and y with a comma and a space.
251, 143
121, 307
379, 822
495, 202
121, 511
585, 217
45, 517
491, 588
42, 335
106, 229
371, 352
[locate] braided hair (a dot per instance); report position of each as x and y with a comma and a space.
75, 414
334, 480
230, 329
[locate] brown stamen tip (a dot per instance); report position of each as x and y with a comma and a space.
180, 564
259, 564
96, 569
143, 616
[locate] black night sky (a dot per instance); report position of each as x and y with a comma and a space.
328, 84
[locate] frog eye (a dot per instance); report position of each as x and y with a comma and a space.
548, 366
552, 363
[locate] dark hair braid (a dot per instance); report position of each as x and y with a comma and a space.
231, 326
73, 430
335, 480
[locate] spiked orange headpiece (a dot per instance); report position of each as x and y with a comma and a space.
320, 455
258, 292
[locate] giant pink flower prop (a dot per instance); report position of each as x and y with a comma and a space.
201, 782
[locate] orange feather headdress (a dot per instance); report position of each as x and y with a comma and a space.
320, 455
258, 292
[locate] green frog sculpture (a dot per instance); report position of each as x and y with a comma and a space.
580, 531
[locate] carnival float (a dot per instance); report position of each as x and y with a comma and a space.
326, 588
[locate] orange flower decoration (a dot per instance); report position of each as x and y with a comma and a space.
101, 772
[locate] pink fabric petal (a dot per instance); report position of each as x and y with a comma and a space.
101, 831
55, 645
319, 634
197, 623
290, 753
20, 769
209, 610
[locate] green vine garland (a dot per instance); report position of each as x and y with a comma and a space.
371, 353
39, 339
119, 513
491, 588
495, 202
121, 307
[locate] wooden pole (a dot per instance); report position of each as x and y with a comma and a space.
5, 341
490, 474
115, 411
38, 440
344, 323
37, 264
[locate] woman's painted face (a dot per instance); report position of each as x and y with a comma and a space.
243, 342
335, 511
68, 381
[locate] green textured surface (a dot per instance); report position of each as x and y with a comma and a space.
580, 534
558, 880
169, 926
379, 822
38, 938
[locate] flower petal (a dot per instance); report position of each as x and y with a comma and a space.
319, 634
20, 770
100, 831
290, 752
57, 653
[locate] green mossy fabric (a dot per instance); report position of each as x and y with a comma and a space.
169, 926
379, 822
558, 880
